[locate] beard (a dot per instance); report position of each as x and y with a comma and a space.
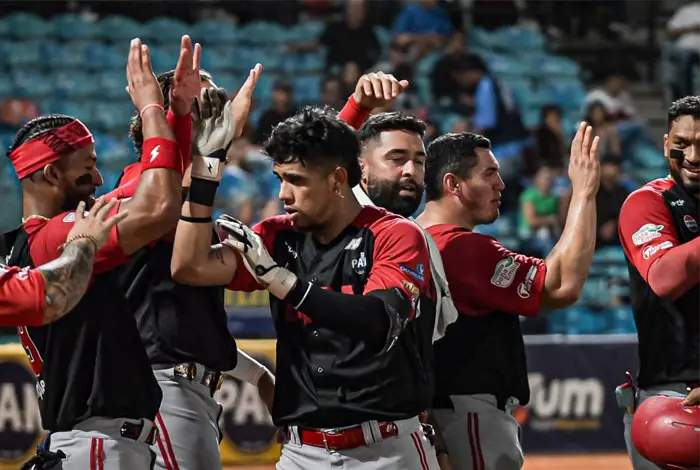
691, 187
386, 194
71, 200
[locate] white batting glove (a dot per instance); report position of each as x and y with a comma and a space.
258, 261
214, 132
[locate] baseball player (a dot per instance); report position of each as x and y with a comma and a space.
35, 297
665, 431
349, 371
658, 229
97, 394
172, 317
480, 366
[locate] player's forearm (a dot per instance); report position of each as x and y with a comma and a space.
677, 271
363, 317
66, 279
570, 260
192, 242
247, 369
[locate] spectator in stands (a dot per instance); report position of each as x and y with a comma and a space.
332, 93
424, 24
350, 74
397, 63
282, 108
609, 201
550, 148
540, 220
604, 127
351, 40
443, 78
684, 29
237, 191
614, 96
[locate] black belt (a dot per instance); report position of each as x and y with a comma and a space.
212, 379
133, 431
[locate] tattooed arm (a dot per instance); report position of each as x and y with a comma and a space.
67, 278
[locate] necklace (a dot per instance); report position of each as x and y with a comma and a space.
41, 217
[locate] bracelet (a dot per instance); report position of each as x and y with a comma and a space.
196, 220
75, 238
202, 192
149, 106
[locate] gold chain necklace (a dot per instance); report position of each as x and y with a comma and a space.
41, 217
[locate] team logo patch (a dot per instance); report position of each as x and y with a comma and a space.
652, 250
418, 274
646, 233
359, 265
525, 287
504, 274
354, 244
690, 223
411, 287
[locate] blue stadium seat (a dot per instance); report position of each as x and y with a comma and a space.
556, 321
112, 116
263, 90
6, 139
480, 38
646, 156
111, 152
568, 94
80, 109
120, 28
5, 27
28, 26
214, 32
504, 66
383, 35
104, 57
262, 33
621, 320
307, 89
23, 54
516, 39
595, 292
303, 62
29, 84
582, 321
112, 85
72, 84
609, 254
164, 30
558, 66
63, 55
164, 58
6, 86
216, 59
306, 31
70, 26
531, 117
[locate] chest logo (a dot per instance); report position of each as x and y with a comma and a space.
690, 223
678, 203
359, 265
354, 244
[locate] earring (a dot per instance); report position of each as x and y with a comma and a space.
337, 191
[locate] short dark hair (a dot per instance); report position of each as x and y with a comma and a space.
686, 106
316, 137
451, 153
35, 128
165, 80
395, 121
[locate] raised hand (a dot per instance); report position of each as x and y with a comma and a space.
186, 81
584, 164
95, 224
241, 103
375, 90
142, 84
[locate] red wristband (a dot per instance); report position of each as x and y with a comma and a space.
182, 129
353, 113
161, 153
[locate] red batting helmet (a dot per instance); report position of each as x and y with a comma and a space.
667, 433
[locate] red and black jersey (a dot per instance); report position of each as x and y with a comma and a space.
91, 362
22, 296
327, 379
483, 351
655, 218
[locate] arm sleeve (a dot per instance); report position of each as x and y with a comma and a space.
353, 113
398, 277
243, 280
484, 276
22, 297
646, 230
45, 243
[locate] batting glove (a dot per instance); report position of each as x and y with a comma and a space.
213, 133
258, 261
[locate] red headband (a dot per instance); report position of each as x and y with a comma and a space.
48, 147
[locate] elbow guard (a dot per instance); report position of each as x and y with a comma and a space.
398, 309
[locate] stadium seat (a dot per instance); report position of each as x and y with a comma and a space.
383, 35
112, 153
109, 181
609, 254
70, 26
568, 94
5, 27
262, 33
480, 38
303, 62
164, 30
306, 31
307, 88
214, 32
621, 320
120, 28
30, 84
6, 87
164, 58
104, 57
22, 54
595, 292
559, 67
69, 84
112, 116
504, 66
79, 109
26, 26
582, 321
517, 40
112, 85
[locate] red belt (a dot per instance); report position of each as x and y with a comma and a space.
346, 439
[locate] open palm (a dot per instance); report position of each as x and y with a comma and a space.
186, 81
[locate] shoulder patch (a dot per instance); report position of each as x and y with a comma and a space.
504, 273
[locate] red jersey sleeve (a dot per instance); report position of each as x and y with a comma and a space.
646, 229
484, 276
268, 229
22, 297
401, 259
45, 238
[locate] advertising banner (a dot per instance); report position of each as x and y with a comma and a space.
572, 408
